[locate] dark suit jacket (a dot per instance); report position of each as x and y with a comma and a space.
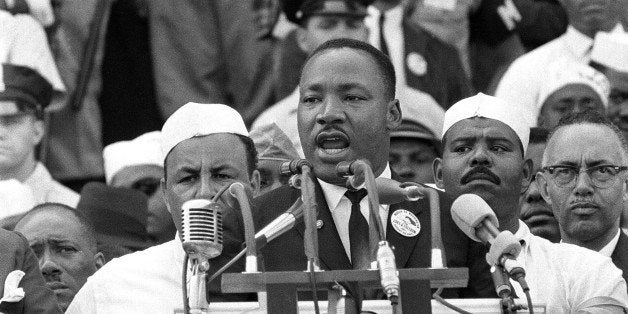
15, 254
620, 254
445, 79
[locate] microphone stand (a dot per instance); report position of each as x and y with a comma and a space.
197, 295
310, 238
237, 190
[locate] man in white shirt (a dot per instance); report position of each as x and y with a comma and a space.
521, 84
24, 94
484, 143
205, 147
584, 178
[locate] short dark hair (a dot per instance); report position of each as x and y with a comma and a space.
251, 155
86, 224
539, 135
381, 60
590, 117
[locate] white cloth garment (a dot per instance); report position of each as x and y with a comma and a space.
569, 278
609, 248
522, 81
393, 35
340, 208
46, 189
148, 281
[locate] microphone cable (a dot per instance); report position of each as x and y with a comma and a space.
524, 285
444, 302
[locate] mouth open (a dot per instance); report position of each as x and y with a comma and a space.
332, 143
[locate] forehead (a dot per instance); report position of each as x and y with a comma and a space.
210, 150
398, 144
585, 142
52, 223
477, 128
574, 91
339, 66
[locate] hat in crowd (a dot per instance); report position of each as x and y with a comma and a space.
19, 83
421, 116
298, 10
16, 198
562, 73
143, 150
490, 107
272, 143
611, 50
193, 120
118, 214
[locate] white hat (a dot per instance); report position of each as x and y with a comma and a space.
419, 108
611, 50
562, 73
490, 107
193, 119
15, 198
143, 150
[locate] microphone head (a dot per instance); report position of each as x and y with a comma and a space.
201, 228
468, 211
293, 166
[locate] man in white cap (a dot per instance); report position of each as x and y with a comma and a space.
205, 148
610, 55
137, 164
570, 87
521, 84
484, 144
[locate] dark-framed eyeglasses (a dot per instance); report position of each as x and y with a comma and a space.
602, 176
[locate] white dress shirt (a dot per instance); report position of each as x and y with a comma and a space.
148, 281
340, 208
609, 248
393, 34
46, 190
569, 278
522, 81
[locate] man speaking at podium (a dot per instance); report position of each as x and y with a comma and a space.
347, 109
484, 143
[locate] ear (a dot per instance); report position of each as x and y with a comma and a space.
541, 181
302, 40
393, 115
527, 174
38, 131
625, 191
255, 182
437, 167
99, 260
162, 183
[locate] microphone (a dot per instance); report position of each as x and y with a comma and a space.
238, 191
478, 221
392, 192
280, 225
293, 166
201, 233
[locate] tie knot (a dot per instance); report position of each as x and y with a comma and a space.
355, 196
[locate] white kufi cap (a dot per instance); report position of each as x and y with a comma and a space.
489, 107
194, 119
143, 150
16, 198
611, 50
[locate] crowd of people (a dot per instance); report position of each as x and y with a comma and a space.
113, 114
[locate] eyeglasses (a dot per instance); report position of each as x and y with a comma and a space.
602, 176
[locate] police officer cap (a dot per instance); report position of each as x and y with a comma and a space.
19, 83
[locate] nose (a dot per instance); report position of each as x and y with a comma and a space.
533, 194
480, 157
331, 113
207, 189
583, 185
49, 268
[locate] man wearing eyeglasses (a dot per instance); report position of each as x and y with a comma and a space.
584, 179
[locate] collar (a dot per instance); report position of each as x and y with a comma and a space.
608, 249
523, 233
39, 176
394, 15
578, 43
334, 193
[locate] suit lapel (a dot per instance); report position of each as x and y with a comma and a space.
620, 254
331, 251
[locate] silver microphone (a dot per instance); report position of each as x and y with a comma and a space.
201, 229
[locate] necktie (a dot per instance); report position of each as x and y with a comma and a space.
358, 231
382, 41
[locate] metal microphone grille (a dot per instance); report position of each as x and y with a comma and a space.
201, 228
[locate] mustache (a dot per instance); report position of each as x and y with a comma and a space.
480, 170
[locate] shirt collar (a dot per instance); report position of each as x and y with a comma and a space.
395, 14
608, 249
333, 193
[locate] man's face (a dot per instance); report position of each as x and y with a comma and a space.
321, 28
585, 212
145, 178
270, 176
535, 212
412, 159
66, 256
19, 134
197, 168
569, 99
483, 156
343, 112
591, 16
618, 109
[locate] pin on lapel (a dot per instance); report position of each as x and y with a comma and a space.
319, 224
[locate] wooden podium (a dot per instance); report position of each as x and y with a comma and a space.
282, 287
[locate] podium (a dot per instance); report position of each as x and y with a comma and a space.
282, 287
